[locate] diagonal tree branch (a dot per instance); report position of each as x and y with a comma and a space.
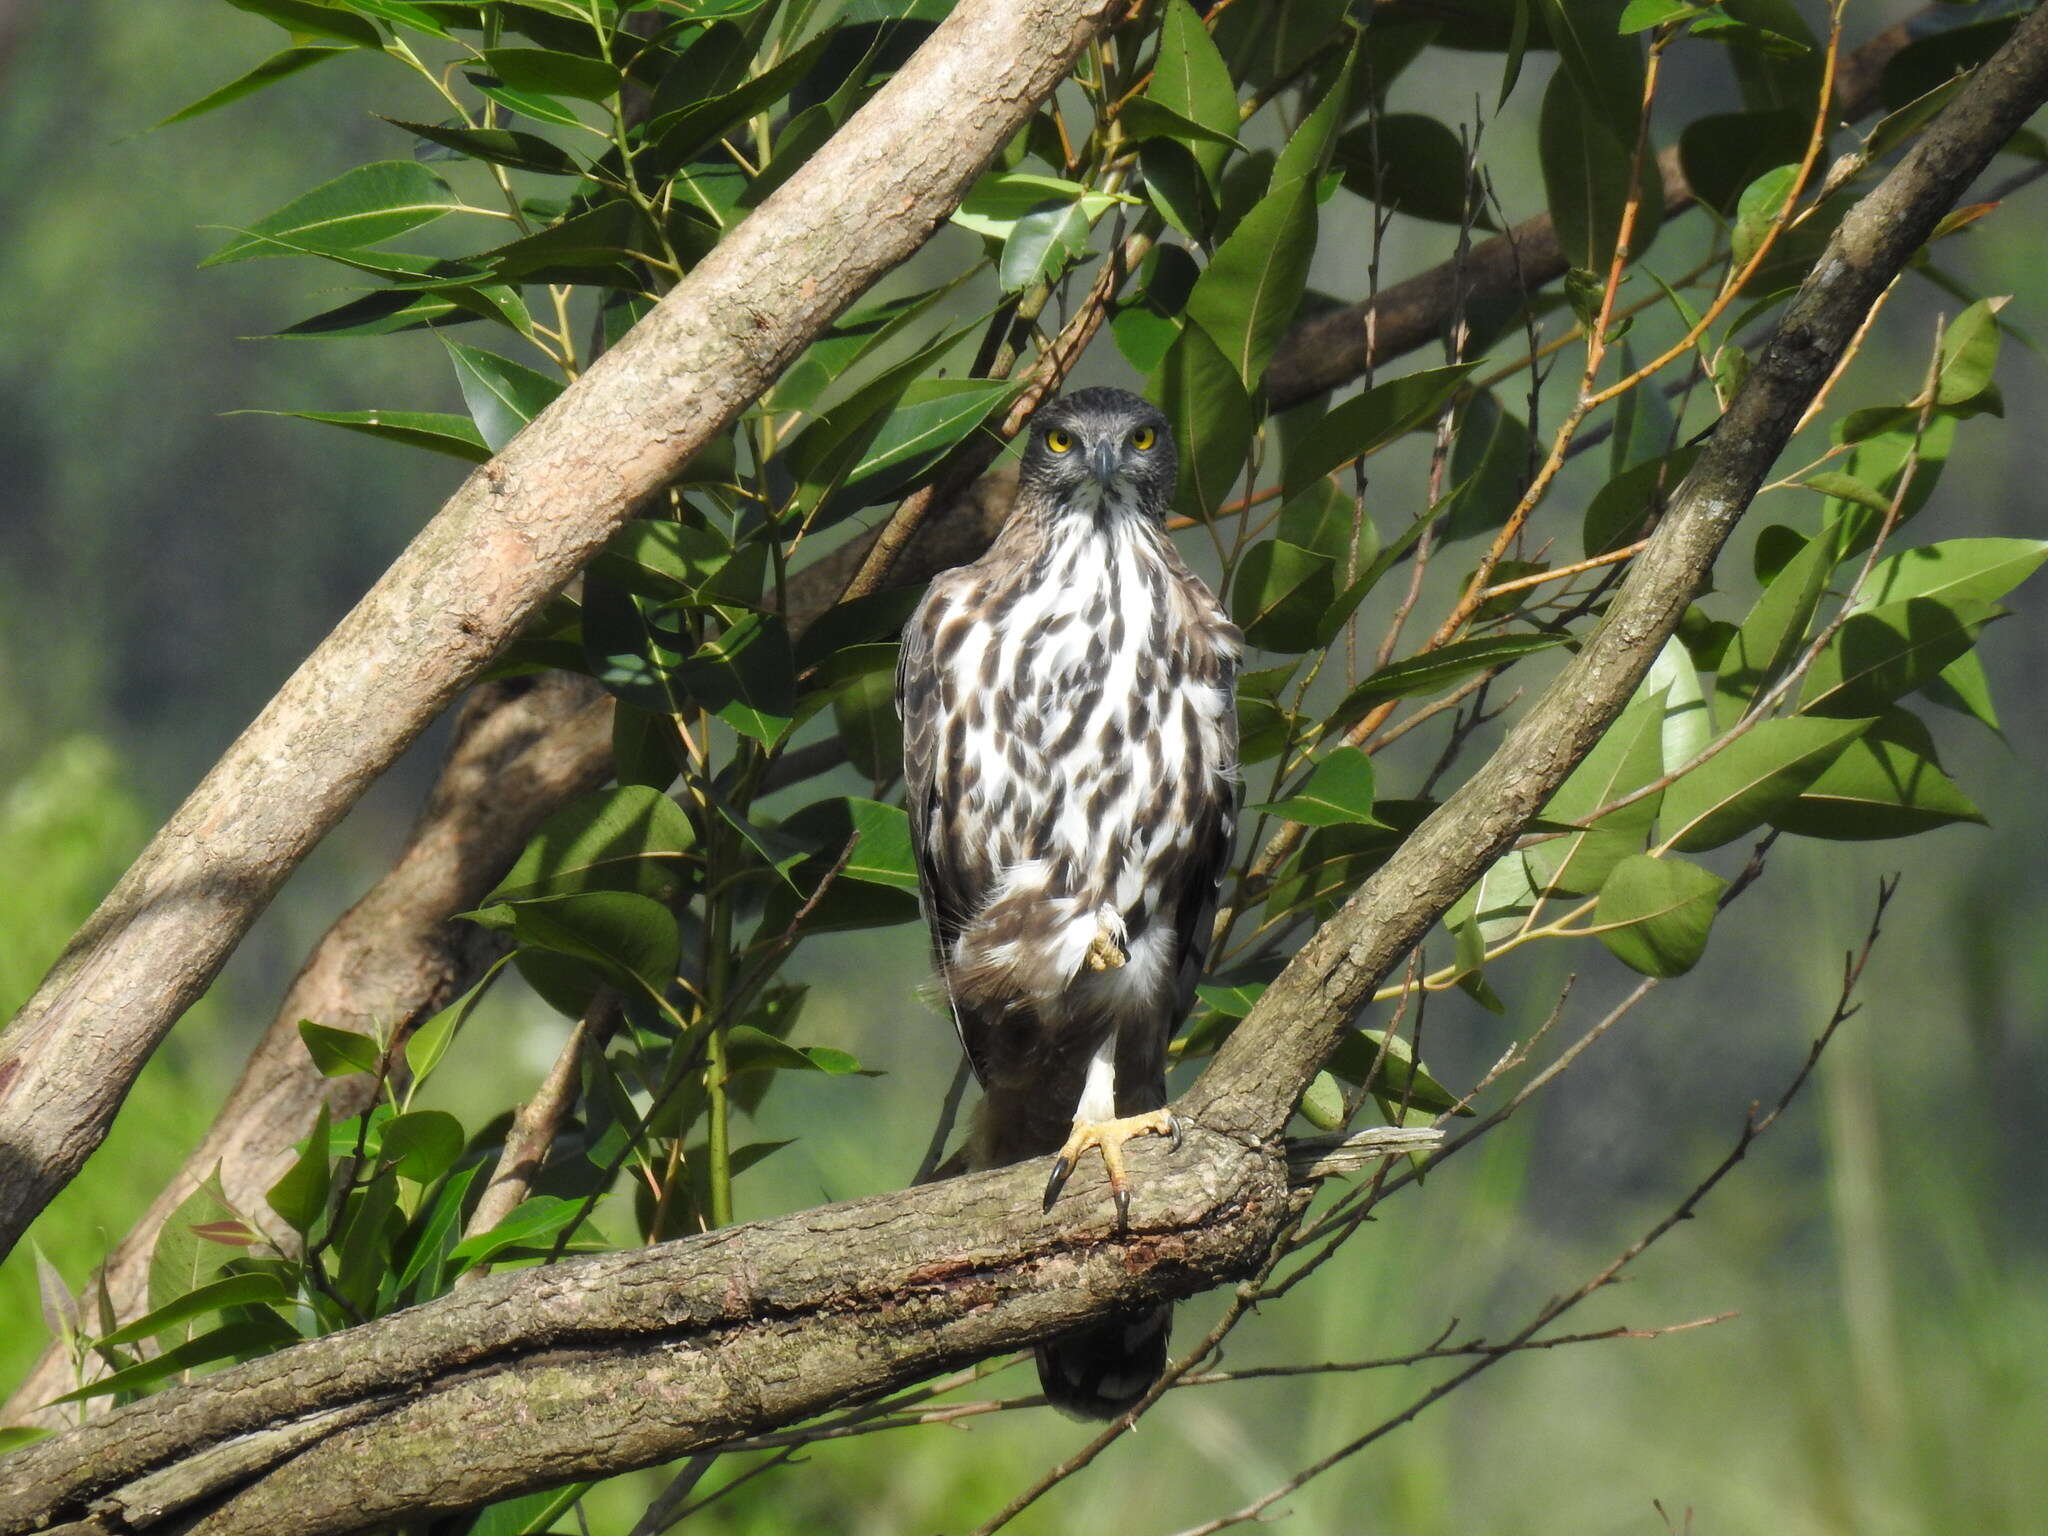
622, 1360
520, 527
274, 1104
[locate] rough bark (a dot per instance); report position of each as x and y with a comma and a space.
275, 1103
626, 1359
521, 748
520, 527
631, 1358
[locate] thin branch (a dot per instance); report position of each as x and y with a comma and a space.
1491, 1354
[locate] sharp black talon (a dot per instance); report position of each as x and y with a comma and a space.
1123, 1206
1173, 1133
1062, 1167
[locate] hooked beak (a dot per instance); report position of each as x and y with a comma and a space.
1102, 463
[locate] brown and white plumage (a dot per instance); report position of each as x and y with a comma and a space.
1070, 761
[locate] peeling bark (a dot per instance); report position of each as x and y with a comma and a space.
622, 1360
519, 528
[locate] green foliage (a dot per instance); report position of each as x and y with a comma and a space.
597, 155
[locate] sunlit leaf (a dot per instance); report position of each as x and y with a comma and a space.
1655, 914
1751, 780
1338, 789
358, 208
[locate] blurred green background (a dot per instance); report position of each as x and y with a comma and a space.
163, 565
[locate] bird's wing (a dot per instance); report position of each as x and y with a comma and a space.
1209, 843
952, 883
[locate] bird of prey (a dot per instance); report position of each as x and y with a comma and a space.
1070, 765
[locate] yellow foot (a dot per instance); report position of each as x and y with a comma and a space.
1108, 1137
1105, 954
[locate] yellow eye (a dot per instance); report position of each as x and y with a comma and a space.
1143, 438
1059, 440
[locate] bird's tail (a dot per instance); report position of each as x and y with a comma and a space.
1101, 1371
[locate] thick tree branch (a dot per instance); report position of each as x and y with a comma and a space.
1296, 1022
622, 1360
520, 527
372, 966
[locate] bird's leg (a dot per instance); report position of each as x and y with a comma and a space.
1096, 1126
1106, 950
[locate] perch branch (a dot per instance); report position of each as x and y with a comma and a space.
519, 528
614, 1361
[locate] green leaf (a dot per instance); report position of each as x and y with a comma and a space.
535, 1219
746, 675
882, 855
754, 1050
1624, 509
1757, 210
997, 203
1369, 421
653, 557
502, 396
1329, 522
880, 835
1605, 68
1980, 570
422, 1274
1190, 80
497, 146
1280, 595
1688, 722
1886, 651
1655, 914
301, 1195
1848, 488
1399, 1077
1725, 152
304, 17
1211, 413
278, 67
1963, 686
1306, 154
627, 839
183, 1259
1232, 999
214, 1296
1641, 15
1338, 790
1433, 671
1752, 779
237, 1338
1586, 163
1885, 783
422, 1144
929, 418
358, 208
455, 436
1249, 292
1041, 244
339, 1052
864, 712
1413, 164
553, 74
615, 936
1628, 755
1322, 1103
1146, 118
15, 1436
542, 109
1771, 634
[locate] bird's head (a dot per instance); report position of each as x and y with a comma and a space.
1098, 448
